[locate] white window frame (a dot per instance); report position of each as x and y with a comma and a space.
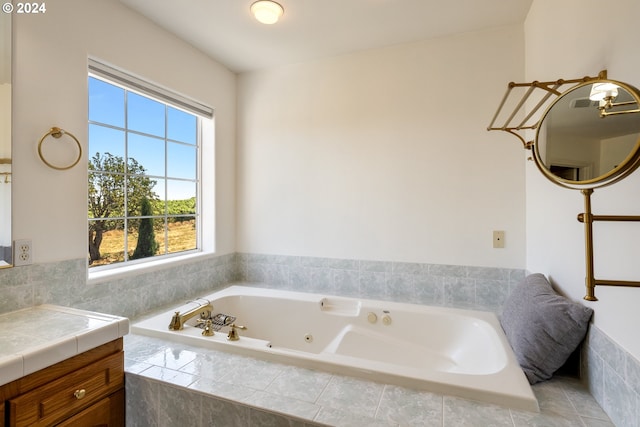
205, 218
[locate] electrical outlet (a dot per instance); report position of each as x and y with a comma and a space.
22, 252
498, 239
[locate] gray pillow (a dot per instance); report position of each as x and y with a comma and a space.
543, 328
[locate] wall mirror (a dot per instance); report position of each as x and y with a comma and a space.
587, 137
5, 140
590, 136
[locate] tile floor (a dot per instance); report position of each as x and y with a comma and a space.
308, 397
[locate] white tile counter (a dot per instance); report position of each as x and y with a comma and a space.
37, 337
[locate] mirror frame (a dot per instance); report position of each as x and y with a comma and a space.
7, 24
626, 167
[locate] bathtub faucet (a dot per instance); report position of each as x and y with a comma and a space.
233, 334
178, 319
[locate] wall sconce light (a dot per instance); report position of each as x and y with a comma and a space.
267, 11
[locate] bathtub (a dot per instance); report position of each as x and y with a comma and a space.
443, 350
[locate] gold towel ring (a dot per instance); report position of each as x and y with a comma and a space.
57, 133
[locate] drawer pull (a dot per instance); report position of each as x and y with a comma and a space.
79, 394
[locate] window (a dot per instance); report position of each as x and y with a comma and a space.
143, 168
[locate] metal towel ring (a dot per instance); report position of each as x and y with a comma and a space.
57, 133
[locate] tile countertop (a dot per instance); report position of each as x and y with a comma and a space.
37, 337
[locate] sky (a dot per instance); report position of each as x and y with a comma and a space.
153, 131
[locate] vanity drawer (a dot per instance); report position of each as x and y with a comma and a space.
97, 414
68, 395
107, 412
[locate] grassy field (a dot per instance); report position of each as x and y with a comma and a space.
182, 237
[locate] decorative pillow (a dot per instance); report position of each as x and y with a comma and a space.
543, 328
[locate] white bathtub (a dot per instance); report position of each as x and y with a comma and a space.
449, 351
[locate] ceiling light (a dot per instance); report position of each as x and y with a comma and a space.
267, 11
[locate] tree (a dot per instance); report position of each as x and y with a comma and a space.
147, 245
107, 181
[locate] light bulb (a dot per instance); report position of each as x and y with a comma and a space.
267, 11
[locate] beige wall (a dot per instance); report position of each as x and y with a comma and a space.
570, 39
50, 88
384, 155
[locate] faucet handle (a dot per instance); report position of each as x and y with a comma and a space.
208, 327
233, 334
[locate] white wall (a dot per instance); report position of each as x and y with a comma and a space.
384, 155
570, 39
50, 89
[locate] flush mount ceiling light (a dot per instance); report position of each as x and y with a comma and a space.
267, 11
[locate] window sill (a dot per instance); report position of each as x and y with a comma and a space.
102, 276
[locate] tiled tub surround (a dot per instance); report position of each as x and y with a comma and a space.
613, 377
65, 283
479, 288
611, 374
170, 384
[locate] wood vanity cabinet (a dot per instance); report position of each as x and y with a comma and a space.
86, 390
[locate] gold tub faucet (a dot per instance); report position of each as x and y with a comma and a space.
178, 319
233, 334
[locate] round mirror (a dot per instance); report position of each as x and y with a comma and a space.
590, 136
